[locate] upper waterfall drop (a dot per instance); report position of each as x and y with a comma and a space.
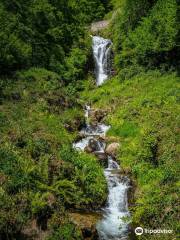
102, 52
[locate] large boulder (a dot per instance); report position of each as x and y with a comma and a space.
86, 222
112, 149
88, 149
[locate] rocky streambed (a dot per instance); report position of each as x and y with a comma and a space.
111, 223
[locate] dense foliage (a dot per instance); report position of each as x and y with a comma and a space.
44, 60
143, 105
146, 35
144, 118
40, 174
42, 33
42, 48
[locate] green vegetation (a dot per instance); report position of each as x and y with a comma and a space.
146, 35
41, 176
144, 116
143, 104
45, 57
44, 53
44, 33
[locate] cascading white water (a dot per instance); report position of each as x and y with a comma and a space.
91, 132
113, 225
101, 51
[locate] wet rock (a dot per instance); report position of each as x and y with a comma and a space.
133, 191
98, 26
125, 180
88, 149
90, 233
93, 144
32, 231
126, 171
68, 127
100, 114
103, 158
112, 149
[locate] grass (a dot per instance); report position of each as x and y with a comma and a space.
39, 178
144, 116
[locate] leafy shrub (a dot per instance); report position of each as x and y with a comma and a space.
75, 65
43, 33
63, 229
149, 148
45, 80
146, 35
39, 147
13, 214
130, 71
88, 176
17, 180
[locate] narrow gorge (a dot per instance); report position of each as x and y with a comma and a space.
114, 223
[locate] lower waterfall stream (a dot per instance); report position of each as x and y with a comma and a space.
112, 226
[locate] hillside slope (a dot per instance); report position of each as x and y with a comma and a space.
41, 177
144, 114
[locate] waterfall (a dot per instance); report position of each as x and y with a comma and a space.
101, 51
113, 225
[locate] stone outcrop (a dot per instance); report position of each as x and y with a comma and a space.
108, 139
86, 222
97, 116
97, 26
112, 149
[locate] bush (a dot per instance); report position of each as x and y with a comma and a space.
147, 35
63, 229
88, 176
75, 65
43, 33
